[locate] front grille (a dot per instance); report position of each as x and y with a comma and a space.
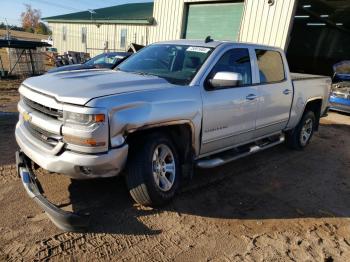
52, 112
43, 135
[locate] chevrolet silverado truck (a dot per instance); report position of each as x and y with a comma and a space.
168, 109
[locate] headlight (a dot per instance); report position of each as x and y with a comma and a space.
85, 130
83, 119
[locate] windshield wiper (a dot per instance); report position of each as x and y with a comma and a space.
143, 73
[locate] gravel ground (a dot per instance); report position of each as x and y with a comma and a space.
279, 205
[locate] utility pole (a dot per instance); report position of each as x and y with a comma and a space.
91, 11
8, 32
8, 38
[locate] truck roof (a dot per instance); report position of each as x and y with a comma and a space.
214, 44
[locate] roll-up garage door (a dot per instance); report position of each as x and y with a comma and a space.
219, 20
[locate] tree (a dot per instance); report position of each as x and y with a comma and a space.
30, 19
12, 27
42, 29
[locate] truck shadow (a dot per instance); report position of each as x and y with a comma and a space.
276, 184
110, 207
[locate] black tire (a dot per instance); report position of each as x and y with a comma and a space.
294, 138
140, 179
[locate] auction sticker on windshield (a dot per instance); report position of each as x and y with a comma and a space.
198, 49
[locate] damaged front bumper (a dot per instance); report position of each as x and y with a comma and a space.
65, 220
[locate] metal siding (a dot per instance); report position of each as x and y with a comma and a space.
266, 24
96, 36
289, 23
269, 23
263, 22
168, 20
260, 23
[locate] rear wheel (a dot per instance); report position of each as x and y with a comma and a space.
153, 171
300, 137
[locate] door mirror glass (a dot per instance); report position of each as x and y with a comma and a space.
226, 79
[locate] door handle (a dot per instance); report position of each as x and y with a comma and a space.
251, 97
287, 91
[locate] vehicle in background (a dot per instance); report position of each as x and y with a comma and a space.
105, 60
51, 49
48, 40
170, 107
340, 94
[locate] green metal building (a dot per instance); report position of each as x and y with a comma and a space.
314, 33
114, 28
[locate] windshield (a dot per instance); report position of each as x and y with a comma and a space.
104, 59
177, 64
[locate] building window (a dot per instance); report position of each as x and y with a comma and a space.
123, 33
83, 35
64, 33
271, 68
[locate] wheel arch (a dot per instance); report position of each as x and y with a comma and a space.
181, 133
314, 105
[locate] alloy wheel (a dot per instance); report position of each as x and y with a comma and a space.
163, 167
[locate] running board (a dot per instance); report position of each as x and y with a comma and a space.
231, 155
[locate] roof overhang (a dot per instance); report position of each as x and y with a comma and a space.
22, 44
138, 22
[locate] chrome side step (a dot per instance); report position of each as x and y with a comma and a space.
231, 155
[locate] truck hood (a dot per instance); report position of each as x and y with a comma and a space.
69, 68
79, 87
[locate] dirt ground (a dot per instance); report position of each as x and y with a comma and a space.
279, 205
9, 94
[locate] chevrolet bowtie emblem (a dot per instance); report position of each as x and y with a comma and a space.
27, 117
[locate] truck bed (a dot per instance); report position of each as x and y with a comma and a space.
308, 87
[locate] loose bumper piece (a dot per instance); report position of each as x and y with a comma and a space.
65, 220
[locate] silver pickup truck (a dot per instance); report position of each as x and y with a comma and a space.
169, 108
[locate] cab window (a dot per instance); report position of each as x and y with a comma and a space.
238, 61
270, 63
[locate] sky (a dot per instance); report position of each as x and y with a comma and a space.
12, 9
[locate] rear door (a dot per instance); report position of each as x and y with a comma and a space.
275, 92
229, 113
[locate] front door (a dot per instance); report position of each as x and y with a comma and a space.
229, 113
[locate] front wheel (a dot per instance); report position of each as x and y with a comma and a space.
301, 135
153, 171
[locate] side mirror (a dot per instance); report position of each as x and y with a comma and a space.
226, 79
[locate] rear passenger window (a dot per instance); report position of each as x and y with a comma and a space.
235, 60
271, 67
